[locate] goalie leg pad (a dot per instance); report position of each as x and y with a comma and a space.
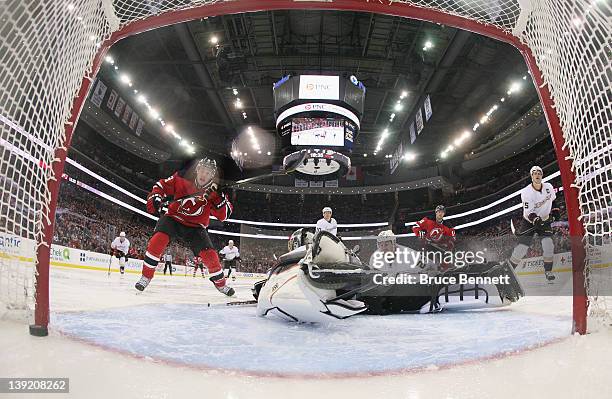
290, 295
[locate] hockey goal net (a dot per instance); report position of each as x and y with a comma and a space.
50, 51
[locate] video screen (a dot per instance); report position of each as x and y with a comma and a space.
317, 131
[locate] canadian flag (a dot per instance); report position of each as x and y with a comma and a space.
354, 173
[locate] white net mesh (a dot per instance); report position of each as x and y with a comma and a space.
47, 47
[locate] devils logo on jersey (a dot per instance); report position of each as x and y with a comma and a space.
192, 206
435, 234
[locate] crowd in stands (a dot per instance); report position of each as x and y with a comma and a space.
295, 208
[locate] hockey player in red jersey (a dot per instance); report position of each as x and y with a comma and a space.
435, 232
194, 199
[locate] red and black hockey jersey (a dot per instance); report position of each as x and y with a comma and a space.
437, 233
194, 211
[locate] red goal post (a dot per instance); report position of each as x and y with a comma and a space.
53, 52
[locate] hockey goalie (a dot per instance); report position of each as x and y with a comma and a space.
321, 280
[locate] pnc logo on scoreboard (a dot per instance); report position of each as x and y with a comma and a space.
317, 86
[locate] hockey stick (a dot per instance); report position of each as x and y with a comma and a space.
287, 171
513, 229
247, 303
110, 261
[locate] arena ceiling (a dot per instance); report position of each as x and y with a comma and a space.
465, 73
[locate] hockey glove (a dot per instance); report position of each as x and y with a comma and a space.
535, 220
555, 214
223, 199
157, 205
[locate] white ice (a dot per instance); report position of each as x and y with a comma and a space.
113, 342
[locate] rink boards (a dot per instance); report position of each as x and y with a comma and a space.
22, 249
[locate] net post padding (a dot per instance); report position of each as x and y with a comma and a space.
382, 7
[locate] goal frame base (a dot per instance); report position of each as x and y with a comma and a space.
38, 330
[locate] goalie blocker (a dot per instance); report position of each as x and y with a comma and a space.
323, 280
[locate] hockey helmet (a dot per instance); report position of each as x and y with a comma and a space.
536, 169
327, 209
385, 236
122, 234
211, 166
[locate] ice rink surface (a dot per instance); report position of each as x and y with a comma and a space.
168, 343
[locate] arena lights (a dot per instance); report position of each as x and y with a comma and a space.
214, 39
428, 45
514, 88
238, 103
381, 141
254, 141
409, 156
125, 78
398, 106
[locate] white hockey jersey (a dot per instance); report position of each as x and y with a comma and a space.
538, 202
230, 253
121, 246
331, 226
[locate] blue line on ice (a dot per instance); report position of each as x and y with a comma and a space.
234, 338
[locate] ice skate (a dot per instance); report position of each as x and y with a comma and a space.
142, 283
227, 290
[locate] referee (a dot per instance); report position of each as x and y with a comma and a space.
168, 262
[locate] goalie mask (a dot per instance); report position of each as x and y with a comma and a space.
205, 172
299, 238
